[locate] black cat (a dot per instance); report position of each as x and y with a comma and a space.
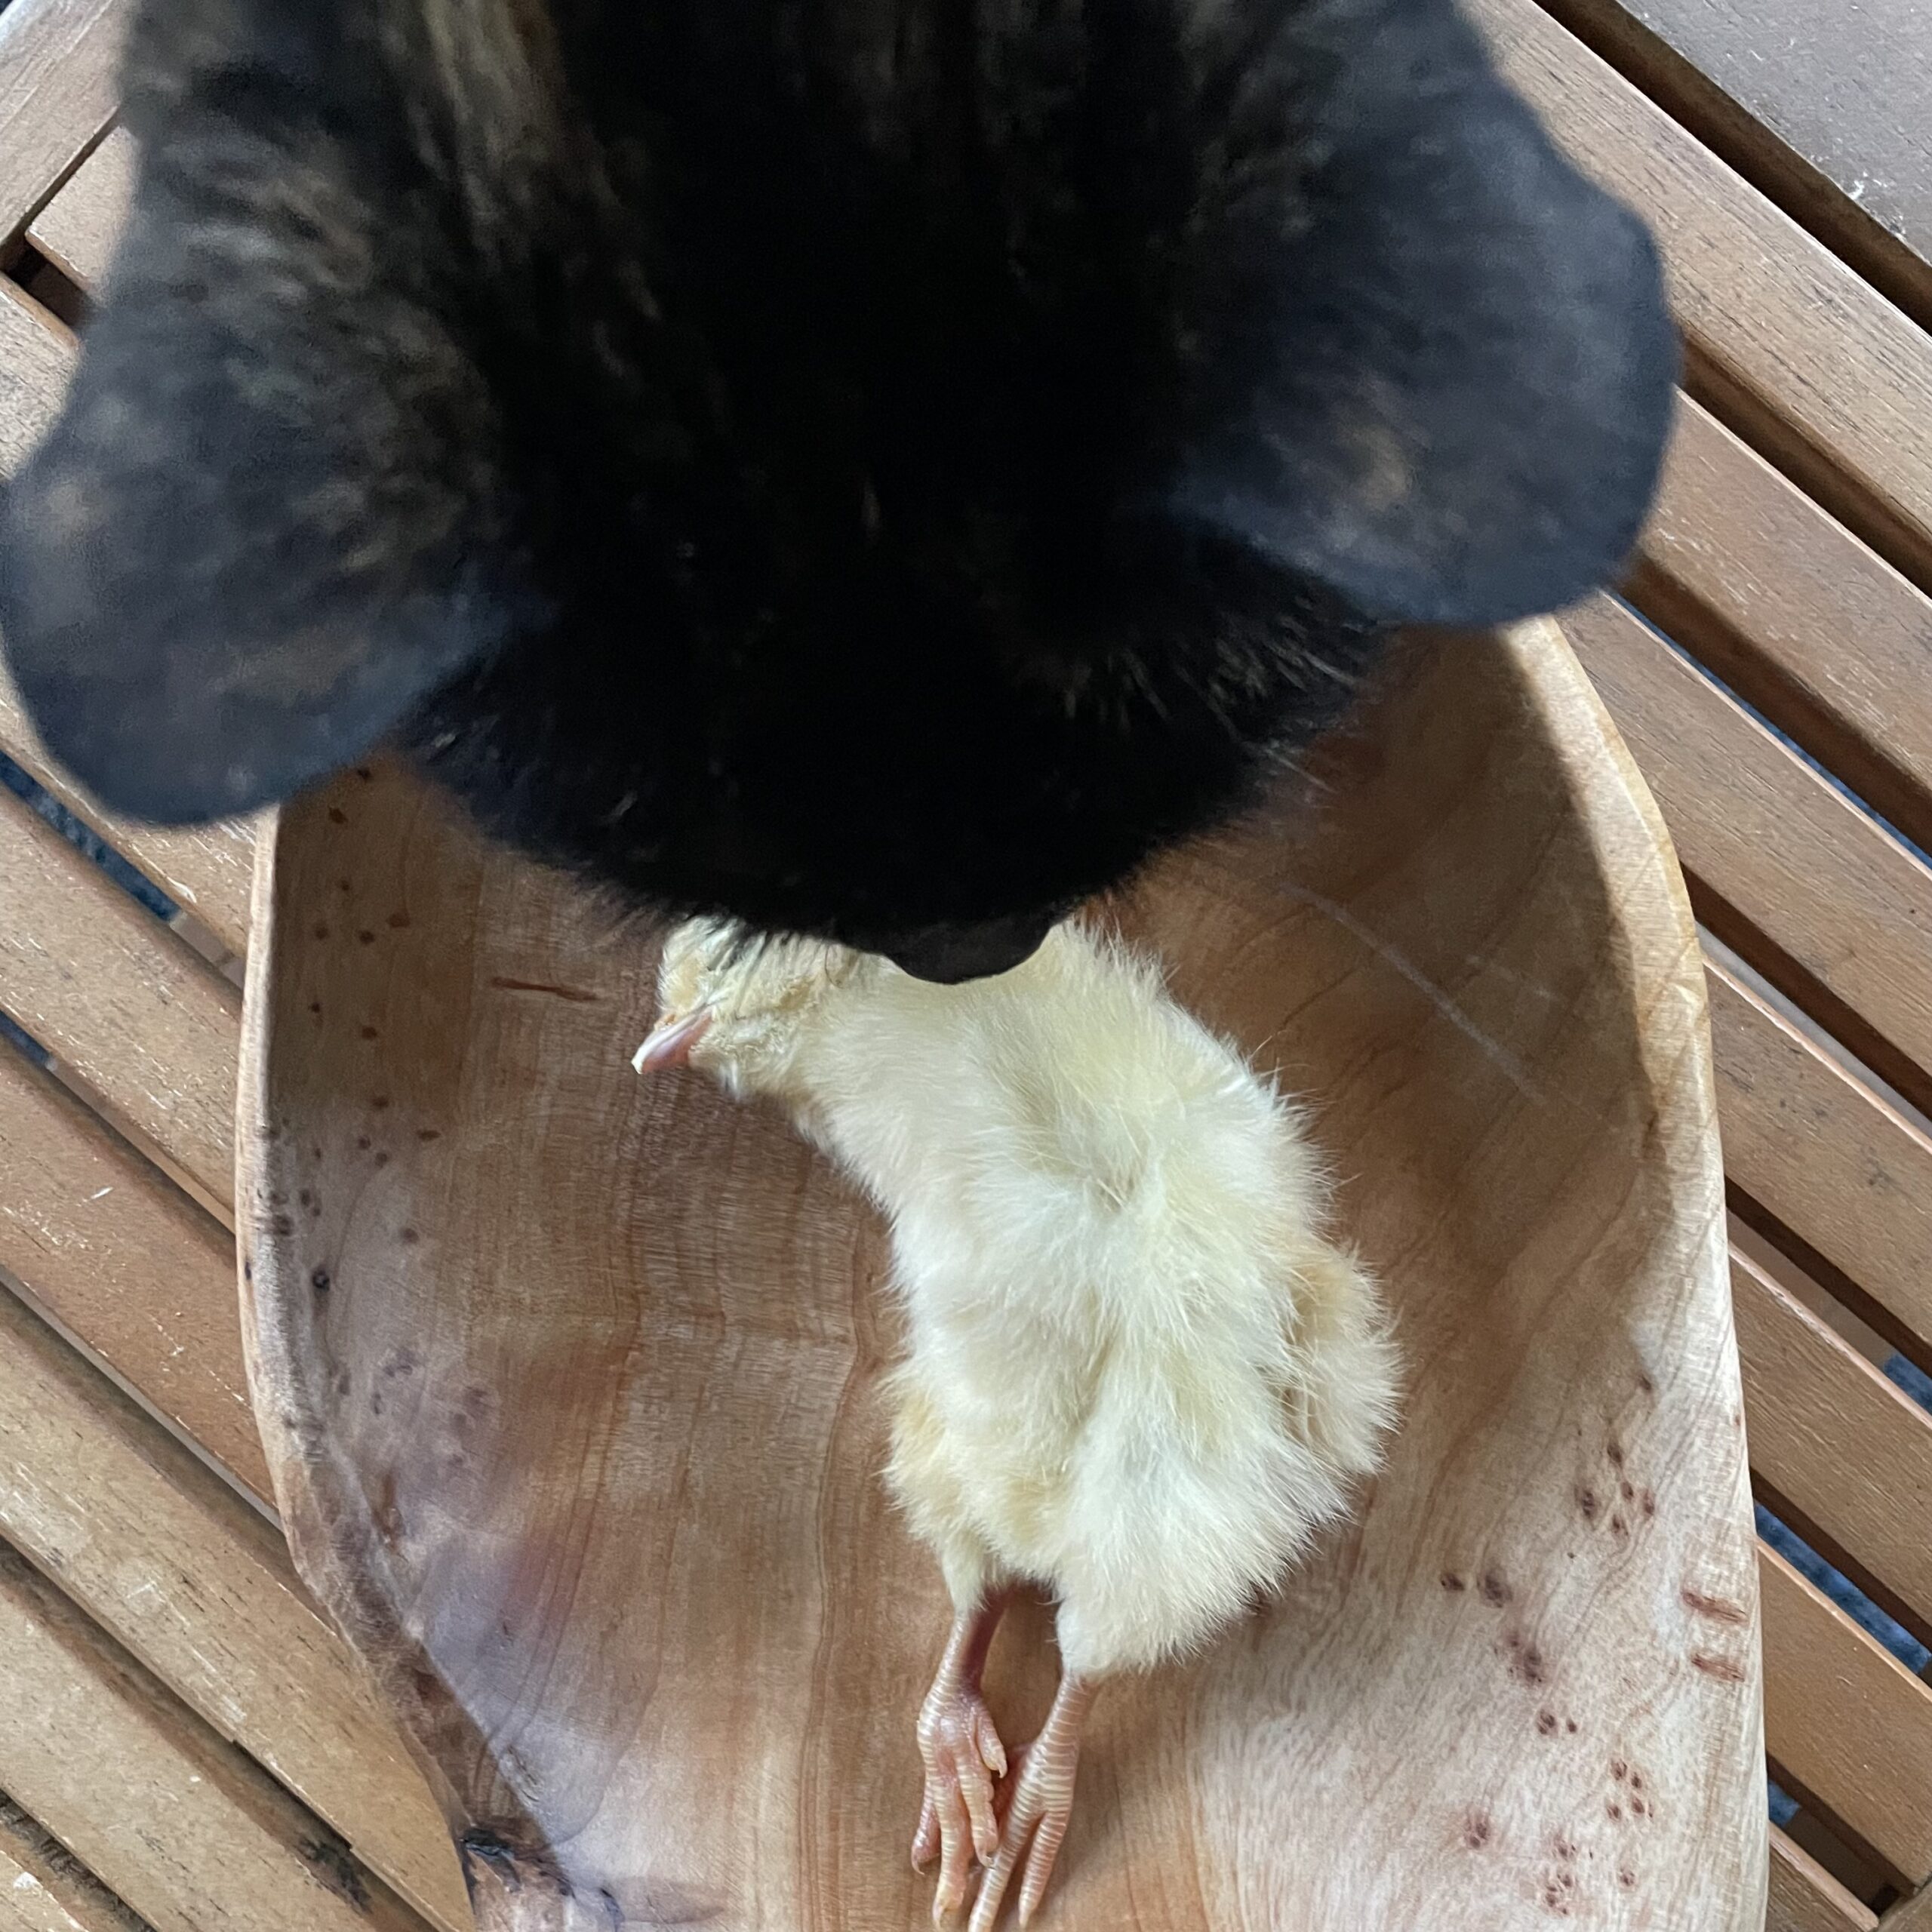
877, 467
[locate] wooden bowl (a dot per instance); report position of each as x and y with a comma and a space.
567, 1380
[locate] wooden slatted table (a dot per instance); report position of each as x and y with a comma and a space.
183, 1739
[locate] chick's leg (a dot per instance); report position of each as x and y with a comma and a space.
1037, 1805
963, 1757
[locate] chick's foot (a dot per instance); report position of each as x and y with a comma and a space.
960, 1747
1035, 1805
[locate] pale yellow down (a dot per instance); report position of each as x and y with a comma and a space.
1138, 1372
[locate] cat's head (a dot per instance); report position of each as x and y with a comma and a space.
878, 484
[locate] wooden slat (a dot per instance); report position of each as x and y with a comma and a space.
1832, 1161
78, 228
103, 984
1805, 1897
1795, 613
36, 357
1847, 901
1836, 381
187, 1829
1833, 1437
1847, 1719
57, 75
196, 1585
1838, 94
1845, 1172
44, 1888
120, 1258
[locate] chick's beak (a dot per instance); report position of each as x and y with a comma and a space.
671, 1041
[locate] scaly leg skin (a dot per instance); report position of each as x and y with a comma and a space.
964, 1758
1037, 1811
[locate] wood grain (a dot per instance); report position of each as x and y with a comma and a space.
1819, 370
44, 1888
195, 1585
567, 1381
1848, 1174
1834, 1438
132, 1010
58, 72
76, 231
1805, 1897
1791, 611
120, 1258
37, 356
201, 1839
1848, 1720
1827, 884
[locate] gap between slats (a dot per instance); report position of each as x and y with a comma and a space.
203, 1840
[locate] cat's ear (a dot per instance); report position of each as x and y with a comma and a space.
248, 547
1446, 393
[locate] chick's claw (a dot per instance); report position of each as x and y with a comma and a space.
963, 1759
1035, 1806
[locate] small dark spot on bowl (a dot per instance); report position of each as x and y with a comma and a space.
366, 938
1495, 1590
320, 1281
370, 1033
398, 921
1450, 1581
337, 816
321, 929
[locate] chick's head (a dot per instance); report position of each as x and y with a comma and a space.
738, 1008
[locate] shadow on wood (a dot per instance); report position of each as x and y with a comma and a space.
566, 1377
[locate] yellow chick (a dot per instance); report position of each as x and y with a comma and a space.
1138, 1374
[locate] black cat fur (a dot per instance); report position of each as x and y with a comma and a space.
876, 468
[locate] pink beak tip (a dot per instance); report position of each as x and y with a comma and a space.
671, 1043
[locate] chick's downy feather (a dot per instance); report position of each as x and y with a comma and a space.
1137, 1369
